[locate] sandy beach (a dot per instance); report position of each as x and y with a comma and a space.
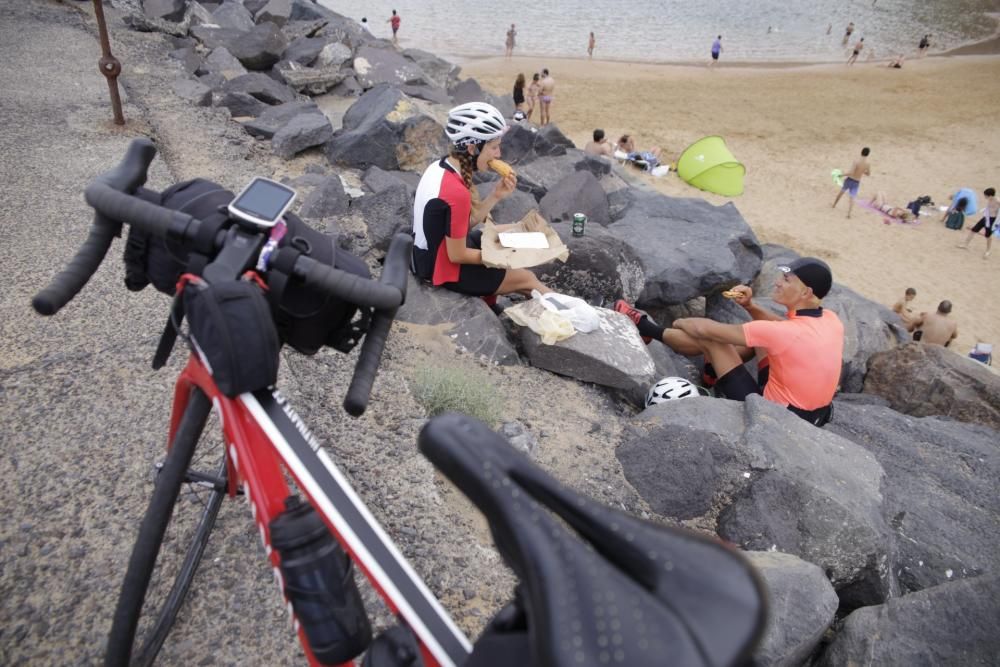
932, 128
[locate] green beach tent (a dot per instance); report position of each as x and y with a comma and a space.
708, 165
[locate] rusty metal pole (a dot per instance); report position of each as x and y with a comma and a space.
108, 64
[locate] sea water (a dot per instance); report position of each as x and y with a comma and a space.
677, 30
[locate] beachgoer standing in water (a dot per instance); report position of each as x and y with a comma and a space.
590, 46
847, 33
545, 96
860, 44
511, 36
395, 21
987, 224
716, 50
852, 182
925, 43
936, 328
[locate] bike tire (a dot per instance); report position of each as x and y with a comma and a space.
157, 581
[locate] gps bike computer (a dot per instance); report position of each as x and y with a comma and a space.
262, 202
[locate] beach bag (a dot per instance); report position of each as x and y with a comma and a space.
306, 319
232, 330
955, 220
152, 260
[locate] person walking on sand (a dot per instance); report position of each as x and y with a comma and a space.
803, 351
852, 181
936, 328
905, 311
847, 33
511, 37
394, 20
858, 46
590, 46
987, 224
546, 94
716, 51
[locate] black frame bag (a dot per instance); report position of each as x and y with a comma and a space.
231, 327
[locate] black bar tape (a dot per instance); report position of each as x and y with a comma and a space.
131, 171
144, 215
397, 262
346, 286
68, 282
368, 362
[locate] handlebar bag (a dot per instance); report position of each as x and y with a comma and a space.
307, 319
149, 259
233, 333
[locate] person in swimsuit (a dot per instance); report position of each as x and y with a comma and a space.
936, 328
590, 46
803, 352
519, 93
446, 252
847, 33
858, 46
987, 224
394, 20
545, 97
925, 44
716, 51
533, 88
852, 182
880, 201
903, 309
511, 35
600, 146
626, 144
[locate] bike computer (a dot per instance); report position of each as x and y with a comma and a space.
262, 202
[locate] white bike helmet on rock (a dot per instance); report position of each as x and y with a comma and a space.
669, 389
474, 123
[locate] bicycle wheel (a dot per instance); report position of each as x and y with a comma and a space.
190, 487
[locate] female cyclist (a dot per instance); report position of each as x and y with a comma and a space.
447, 207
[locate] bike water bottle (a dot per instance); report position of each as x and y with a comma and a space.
319, 582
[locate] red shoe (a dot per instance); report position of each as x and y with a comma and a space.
622, 306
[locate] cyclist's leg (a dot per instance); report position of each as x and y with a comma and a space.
156, 582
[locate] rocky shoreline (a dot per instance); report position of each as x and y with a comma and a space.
882, 523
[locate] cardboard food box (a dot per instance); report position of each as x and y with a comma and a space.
499, 257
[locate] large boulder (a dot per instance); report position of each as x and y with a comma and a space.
308, 80
511, 208
771, 481
301, 132
469, 90
261, 86
193, 92
327, 200
951, 624
304, 50
467, 321
577, 192
921, 380
439, 72
221, 61
277, 12
233, 15
523, 144
611, 356
377, 180
544, 173
260, 48
801, 605
168, 10
273, 118
334, 54
213, 36
373, 66
688, 247
386, 213
387, 129
600, 268
940, 488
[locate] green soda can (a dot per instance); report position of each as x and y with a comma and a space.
579, 222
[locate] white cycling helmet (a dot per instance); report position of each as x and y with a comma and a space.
474, 123
670, 388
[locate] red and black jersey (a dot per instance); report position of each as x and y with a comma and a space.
441, 208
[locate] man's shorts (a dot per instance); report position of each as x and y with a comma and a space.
851, 186
981, 226
715, 56
737, 384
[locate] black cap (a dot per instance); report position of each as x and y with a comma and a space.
814, 273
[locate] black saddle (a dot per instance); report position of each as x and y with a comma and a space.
614, 590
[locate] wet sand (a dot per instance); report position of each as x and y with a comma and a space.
790, 126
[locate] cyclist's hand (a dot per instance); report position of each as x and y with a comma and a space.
506, 186
745, 295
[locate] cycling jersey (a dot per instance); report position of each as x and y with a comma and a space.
441, 207
805, 353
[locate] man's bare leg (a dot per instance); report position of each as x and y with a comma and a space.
839, 195
684, 343
850, 206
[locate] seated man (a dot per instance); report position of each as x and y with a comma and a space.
936, 328
651, 157
599, 146
804, 352
905, 312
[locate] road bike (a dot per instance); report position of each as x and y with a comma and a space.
596, 585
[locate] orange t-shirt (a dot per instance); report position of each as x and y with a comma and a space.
805, 353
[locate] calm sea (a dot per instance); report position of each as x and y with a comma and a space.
677, 30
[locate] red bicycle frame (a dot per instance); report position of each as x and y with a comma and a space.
264, 437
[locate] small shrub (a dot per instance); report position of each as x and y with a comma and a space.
457, 389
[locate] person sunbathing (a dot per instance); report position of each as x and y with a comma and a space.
651, 157
880, 202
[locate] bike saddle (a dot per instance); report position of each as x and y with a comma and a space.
614, 590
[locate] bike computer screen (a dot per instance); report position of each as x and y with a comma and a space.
262, 202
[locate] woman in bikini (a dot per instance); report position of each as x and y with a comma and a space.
533, 88
880, 201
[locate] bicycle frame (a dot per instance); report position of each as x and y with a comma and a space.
265, 437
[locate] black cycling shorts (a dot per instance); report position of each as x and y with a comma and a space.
477, 280
738, 383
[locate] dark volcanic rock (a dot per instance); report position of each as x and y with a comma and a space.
578, 192
274, 118
385, 213
303, 131
260, 48
261, 86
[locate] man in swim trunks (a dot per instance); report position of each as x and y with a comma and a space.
545, 96
599, 146
716, 50
987, 224
509, 45
905, 312
853, 180
804, 353
847, 33
858, 46
936, 328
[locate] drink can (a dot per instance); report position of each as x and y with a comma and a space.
579, 222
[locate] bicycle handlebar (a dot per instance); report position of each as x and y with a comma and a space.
112, 197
